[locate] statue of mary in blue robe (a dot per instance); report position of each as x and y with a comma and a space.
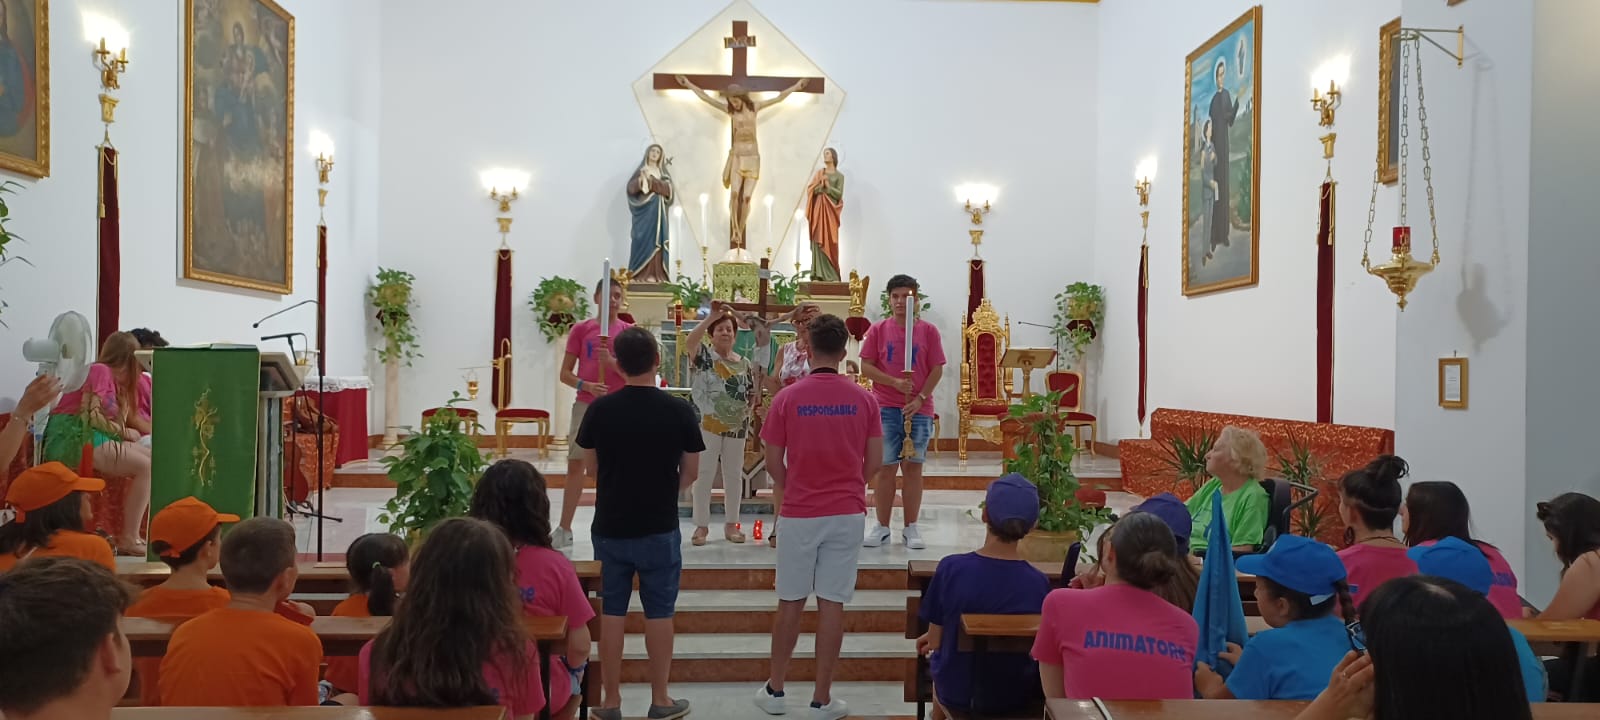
649, 199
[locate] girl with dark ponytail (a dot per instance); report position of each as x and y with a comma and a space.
1303, 594
1369, 501
1120, 641
380, 566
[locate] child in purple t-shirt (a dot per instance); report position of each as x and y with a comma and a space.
992, 581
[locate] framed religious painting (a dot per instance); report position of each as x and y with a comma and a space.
238, 134
25, 86
1388, 103
1222, 159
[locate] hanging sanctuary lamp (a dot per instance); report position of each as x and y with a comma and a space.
1402, 270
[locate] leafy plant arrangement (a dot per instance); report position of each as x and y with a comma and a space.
785, 289
6, 236
435, 475
689, 291
1184, 456
558, 304
1300, 465
885, 311
392, 297
1080, 310
1044, 457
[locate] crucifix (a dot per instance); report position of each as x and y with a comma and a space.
743, 167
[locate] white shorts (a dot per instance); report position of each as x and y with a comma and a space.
818, 555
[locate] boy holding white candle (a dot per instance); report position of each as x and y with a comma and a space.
589, 368
903, 383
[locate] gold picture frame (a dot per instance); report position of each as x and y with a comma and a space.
1211, 265
25, 131
238, 132
1453, 383
1388, 103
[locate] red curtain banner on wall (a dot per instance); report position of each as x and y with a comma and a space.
974, 288
1325, 222
322, 298
502, 325
108, 294
1143, 310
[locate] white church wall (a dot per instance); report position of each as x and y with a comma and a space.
1476, 302
939, 94
1562, 257
336, 59
1250, 350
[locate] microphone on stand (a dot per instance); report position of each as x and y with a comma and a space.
257, 323
281, 336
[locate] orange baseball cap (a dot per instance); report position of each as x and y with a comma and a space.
184, 523
40, 486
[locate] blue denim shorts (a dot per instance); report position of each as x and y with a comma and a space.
657, 560
894, 435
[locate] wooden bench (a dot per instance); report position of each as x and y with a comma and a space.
307, 713
1578, 638
1252, 709
326, 578
1015, 633
344, 637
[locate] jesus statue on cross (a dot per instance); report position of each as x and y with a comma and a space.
743, 168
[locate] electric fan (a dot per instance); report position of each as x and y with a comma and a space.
65, 353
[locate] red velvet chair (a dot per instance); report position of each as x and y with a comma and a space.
985, 387
1070, 384
504, 419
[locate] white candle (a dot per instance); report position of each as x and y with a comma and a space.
911, 322
703, 228
605, 298
768, 201
673, 244
802, 238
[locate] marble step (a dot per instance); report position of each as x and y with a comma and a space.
753, 611
744, 657
867, 700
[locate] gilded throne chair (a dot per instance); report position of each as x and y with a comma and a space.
985, 395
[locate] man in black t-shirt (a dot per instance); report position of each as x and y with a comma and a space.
642, 447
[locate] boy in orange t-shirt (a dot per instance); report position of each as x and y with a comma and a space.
246, 654
185, 536
61, 652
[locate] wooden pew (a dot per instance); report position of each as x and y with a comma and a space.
315, 578
307, 713
1252, 709
1015, 633
1578, 639
344, 637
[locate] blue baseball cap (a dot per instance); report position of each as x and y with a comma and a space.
1454, 559
1012, 497
1174, 513
1300, 564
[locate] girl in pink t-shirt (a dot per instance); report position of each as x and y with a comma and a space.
1120, 641
1435, 510
512, 495
457, 640
1572, 522
1369, 500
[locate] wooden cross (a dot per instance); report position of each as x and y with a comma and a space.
739, 43
762, 308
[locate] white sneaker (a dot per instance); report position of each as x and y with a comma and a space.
560, 538
769, 703
912, 538
834, 710
877, 536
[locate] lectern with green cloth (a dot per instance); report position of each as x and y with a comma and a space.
218, 427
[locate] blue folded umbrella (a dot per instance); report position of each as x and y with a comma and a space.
1217, 608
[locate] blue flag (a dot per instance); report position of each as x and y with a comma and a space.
1217, 608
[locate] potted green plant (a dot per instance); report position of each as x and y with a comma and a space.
1080, 310
884, 310
1044, 456
785, 289
6, 236
1298, 464
1184, 457
558, 303
434, 477
392, 298
692, 293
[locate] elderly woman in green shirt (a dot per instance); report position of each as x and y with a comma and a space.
1236, 462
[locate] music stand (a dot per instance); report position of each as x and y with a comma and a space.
1027, 360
